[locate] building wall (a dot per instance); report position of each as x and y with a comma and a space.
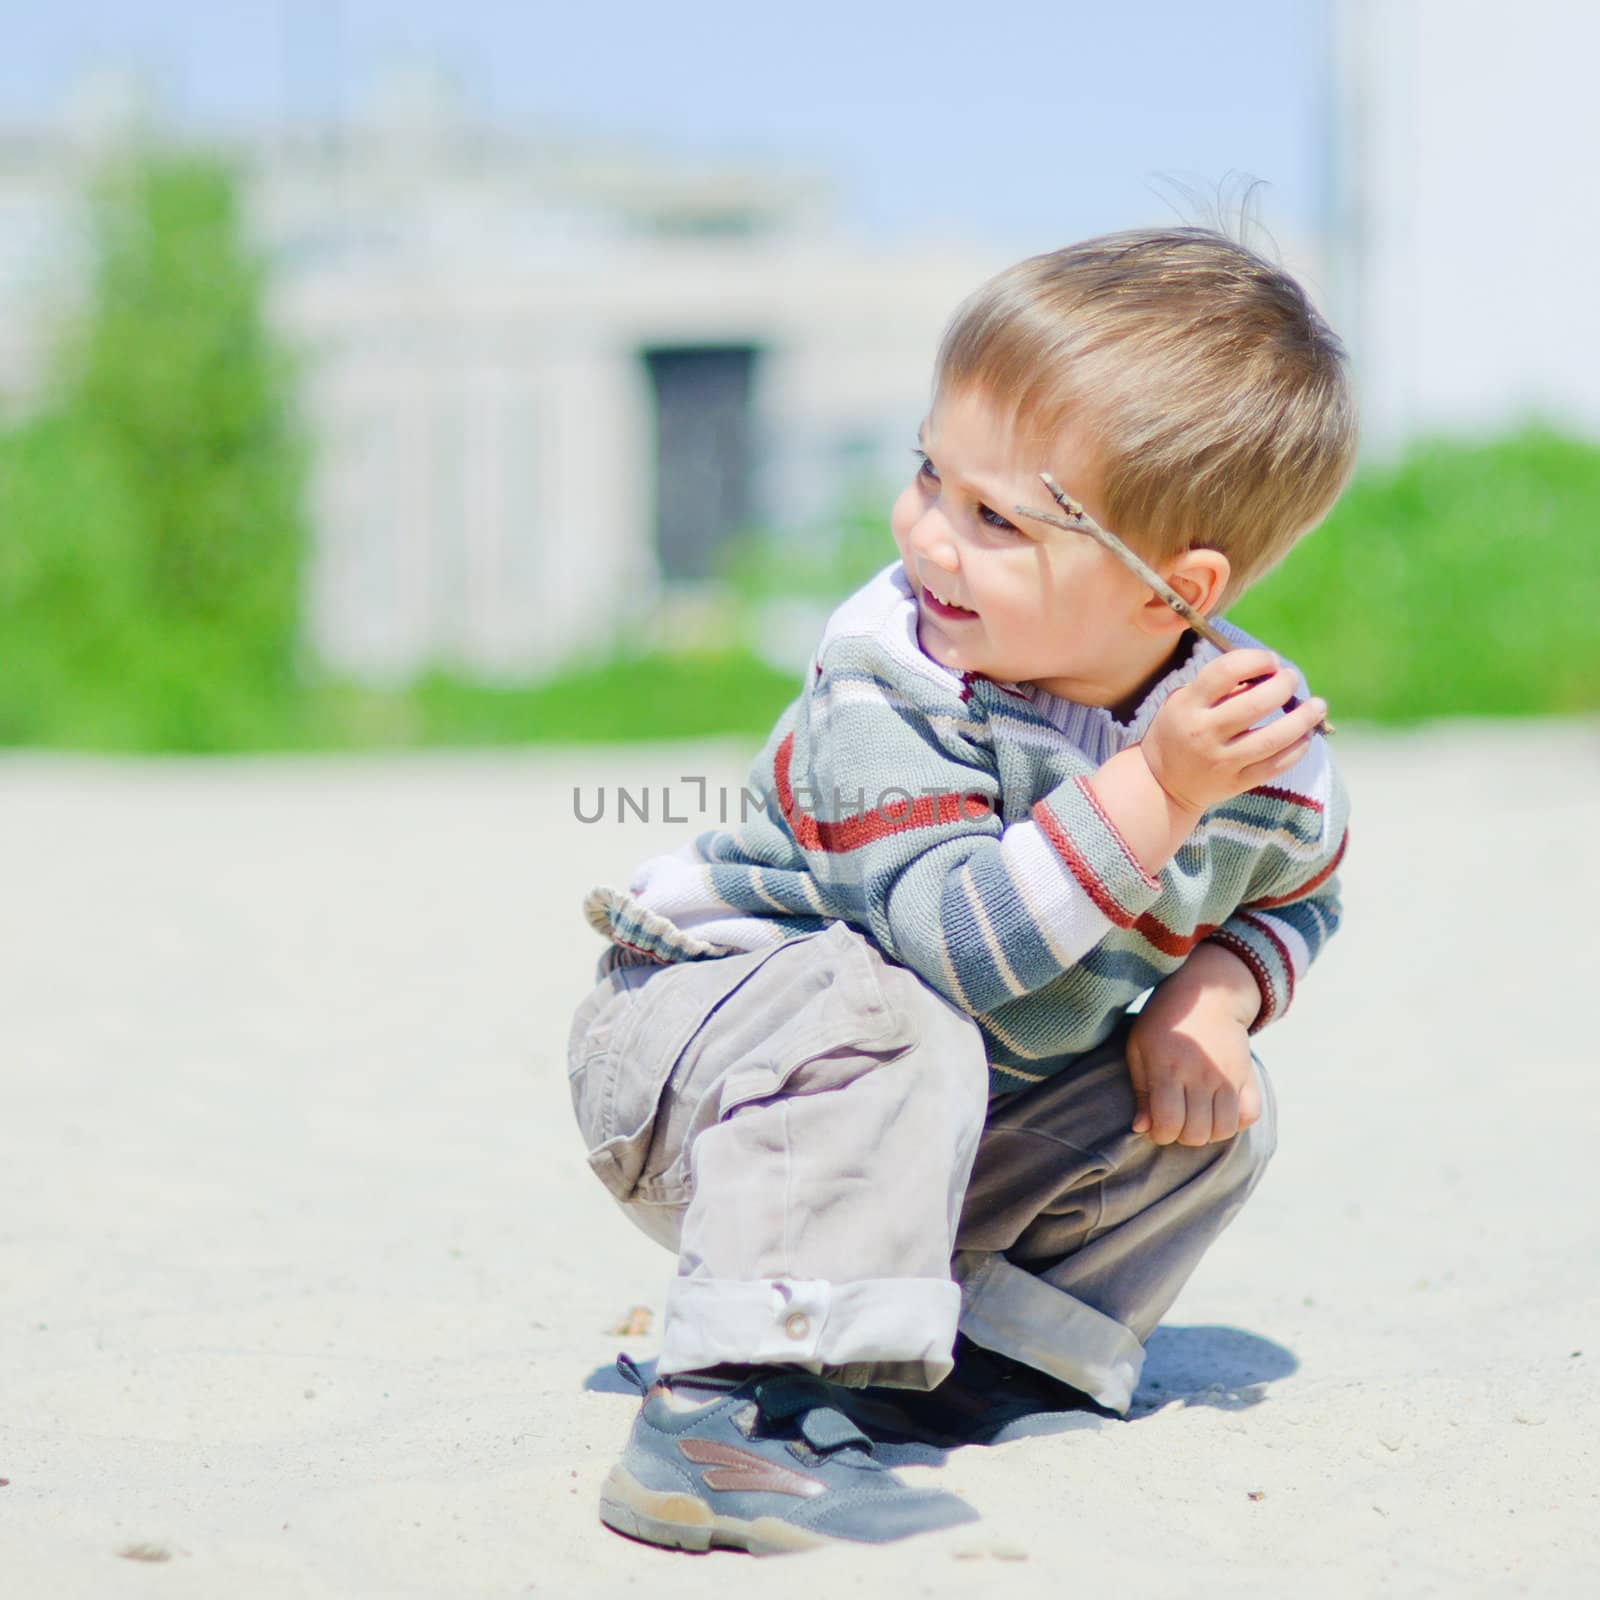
471, 313
1466, 133
486, 489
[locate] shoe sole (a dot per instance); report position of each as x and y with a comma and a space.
681, 1522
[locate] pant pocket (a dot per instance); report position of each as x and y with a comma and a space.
628, 1037
815, 1017
824, 1003
605, 1013
684, 1046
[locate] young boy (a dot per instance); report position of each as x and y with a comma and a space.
864, 1059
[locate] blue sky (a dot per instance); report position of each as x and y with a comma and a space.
1031, 122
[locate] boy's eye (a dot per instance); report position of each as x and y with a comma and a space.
925, 469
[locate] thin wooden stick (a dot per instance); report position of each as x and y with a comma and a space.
1077, 520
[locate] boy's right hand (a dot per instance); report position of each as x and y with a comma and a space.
1200, 747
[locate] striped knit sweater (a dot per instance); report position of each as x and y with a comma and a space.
946, 816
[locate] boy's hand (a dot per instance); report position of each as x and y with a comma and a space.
1200, 747
1188, 1052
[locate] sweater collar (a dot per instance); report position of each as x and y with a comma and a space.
1094, 727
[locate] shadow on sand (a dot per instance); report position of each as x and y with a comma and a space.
1208, 1366
1202, 1366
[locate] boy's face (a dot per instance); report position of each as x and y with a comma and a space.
1039, 604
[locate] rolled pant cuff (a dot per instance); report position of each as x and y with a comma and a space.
893, 1331
1007, 1309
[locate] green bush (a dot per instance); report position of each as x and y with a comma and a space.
1462, 581
151, 525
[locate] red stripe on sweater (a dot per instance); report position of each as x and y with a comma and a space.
1283, 955
1306, 887
1116, 833
1079, 867
1166, 941
852, 833
639, 949
1271, 792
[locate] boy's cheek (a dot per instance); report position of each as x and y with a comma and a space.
900, 521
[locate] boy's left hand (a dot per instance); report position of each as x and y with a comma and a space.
1188, 1052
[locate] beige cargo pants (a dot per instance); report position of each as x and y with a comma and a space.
809, 1129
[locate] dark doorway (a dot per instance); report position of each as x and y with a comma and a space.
704, 458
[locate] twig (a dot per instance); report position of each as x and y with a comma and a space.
1077, 520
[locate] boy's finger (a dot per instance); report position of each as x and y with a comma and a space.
1276, 765
1249, 1102
1141, 1110
1198, 1118
1224, 1115
1217, 679
1136, 1076
1248, 706
1259, 745
1168, 1112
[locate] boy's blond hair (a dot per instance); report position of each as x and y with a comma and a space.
1217, 401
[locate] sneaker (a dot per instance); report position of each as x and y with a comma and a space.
772, 1466
988, 1398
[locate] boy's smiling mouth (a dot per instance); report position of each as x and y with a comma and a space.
944, 608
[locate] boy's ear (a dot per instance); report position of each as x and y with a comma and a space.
1199, 576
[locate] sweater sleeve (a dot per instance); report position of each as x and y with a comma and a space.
890, 787
1294, 909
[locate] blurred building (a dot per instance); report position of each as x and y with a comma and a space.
547, 380
1464, 132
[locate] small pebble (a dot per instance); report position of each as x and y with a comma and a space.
144, 1552
634, 1322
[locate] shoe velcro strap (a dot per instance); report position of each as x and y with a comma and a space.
826, 1429
789, 1393
797, 1394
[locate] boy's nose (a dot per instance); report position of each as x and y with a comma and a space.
931, 540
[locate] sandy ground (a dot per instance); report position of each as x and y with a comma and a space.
307, 1289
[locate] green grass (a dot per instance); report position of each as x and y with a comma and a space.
652, 696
